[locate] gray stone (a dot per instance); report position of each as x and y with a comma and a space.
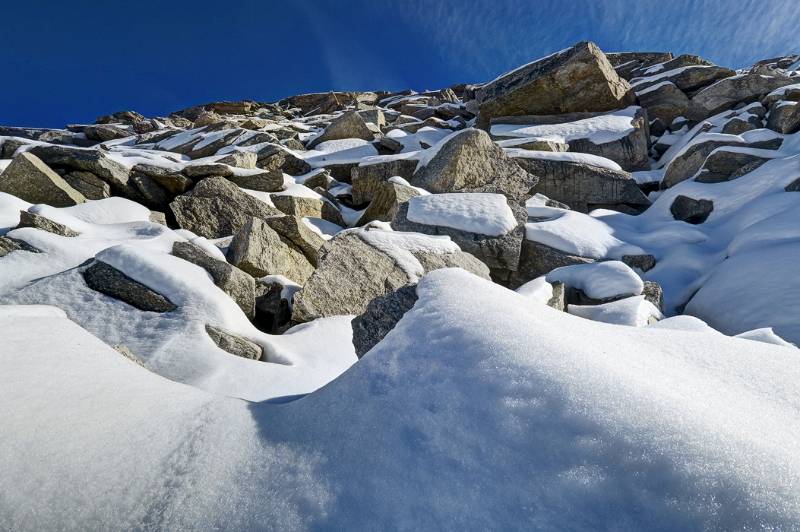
158, 217
380, 317
271, 181
216, 208
259, 250
352, 272
691, 210
794, 186
170, 181
88, 184
8, 245
558, 299
277, 157
666, 102
127, 353
688, 78
386, 202
113, 283
366, 179
349, 125
726, 165
304, 206
625, 63
577, 79
538, 259
30, 179
643, 262
29, 219
726, 93
240, 286
653, 293
234, 344
784, 118
294, 229
88, 160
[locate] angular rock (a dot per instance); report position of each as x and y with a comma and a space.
574, 80
726, 165
171, 181
216, 208
88, 184
349, 125
29, 219
30, 179
642, 262
784, 117
691, 210
234, 344
240, 286
686, 78
259, 250
353, 271
386, 202
328, 102
538, 259
625, 63
294, 229
8, 245
113, 283
664, 101
653, 293
380, 317
277, 157
366, 178
88, 160
726, 93
271, 181
303, 206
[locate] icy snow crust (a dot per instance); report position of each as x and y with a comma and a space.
480, 213
540, 430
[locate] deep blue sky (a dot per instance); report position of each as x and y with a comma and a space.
68, 61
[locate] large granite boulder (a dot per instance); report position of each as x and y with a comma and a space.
386, 201
328, 102
664, 101
28, 178
359, 265
784, 117
690, 210
349, 125
686, 78
216, 208
110, 281
726, 93
380, 317
367, 176
29, 219
234, 343
574, 80
94, 161
537, 259
259, 250
728, 163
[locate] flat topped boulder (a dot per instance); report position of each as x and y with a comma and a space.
349, 125
574, 80
728, 92
359, 265
28, 178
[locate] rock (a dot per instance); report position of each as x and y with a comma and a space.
9, 245
216, 208
727, 164
498, 252
366, 178
273, 309
691, 210
349, 125
150, 193
207, 118
642, 262
127, 353
321, 179
574, 80
88, 184
28, 178
535, 144
158, 218
654, 294
582, 186
277, 157
237, 284
389, 145
328, 102
297, 231
784, 117
170, 181
88, 160
353, 271
664, 101
199, 171
686, 78
538, 259
239, 159
794, 186
202, 149
259, 250
271, 181
104, 132
726, 93
558, 299
113, 283
470, 162
303, 206
121, 117
738, 125
234, 344
380, 317
29, 219
625, 63
386, 202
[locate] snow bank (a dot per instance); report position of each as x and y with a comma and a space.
483, 214
598, 130
600, 280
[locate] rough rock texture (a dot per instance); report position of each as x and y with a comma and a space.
653, 293
575, 80
352, 273
784, 118
538, 259
93, 161
305, 206
216, 208
691, 210
271, 181
664, 101
386, 201
626, 63
380, 317
8, 245
366, 179
240, 286
113, 283
470, 162
685, 77
234, 344
726, 93
328, 102
725, 165
583, 186
349, 125
642, 262
259, 250
29, 219
298, 232
88, 184
28, 178
277, 157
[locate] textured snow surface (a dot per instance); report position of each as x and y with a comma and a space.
570, 157
484, 214
598, 130
467, 416
599, 280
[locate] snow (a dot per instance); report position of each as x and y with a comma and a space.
599, 280
635, 82
427, 156
570, 157
600, 129
323, 228
653, 88
632, 311
537, 290
478, 416
766, 335
479, 213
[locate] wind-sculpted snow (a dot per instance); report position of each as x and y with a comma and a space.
466, 416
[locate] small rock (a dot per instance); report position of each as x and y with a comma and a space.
234, 344
113, 283
29, 219
690, 210
30, 179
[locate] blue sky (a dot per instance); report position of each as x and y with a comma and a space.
68, 61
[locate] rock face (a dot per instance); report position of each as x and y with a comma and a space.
664, 101
725, 94
355, 268
234, 344
380, 317
386, 202
582, 186
237, 284
93, 161
367, 178
216, 208
299, 233
470, 162
28, 178
350, 125
784, 117
726, 164
575, 80
259, 250
691, 210
113, 283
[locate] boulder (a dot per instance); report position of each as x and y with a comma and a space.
299, 233
642, 262
29, 219
234, 344
328, 102
366, 178
691, 210
271, 181
259, 250
89, 160
653, 293
171, 181
28, 178
728, 164
380, 317
303, 206
110, 281
88, 184
784, 117
277, 157
104, 132
626, 63
468, 161
216, 208
574, 80
355, 267
8, 245
726, 93
240, 286
583, 186
349, 125
686, 78
664, 101
538, 259
386, 201
239, 159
